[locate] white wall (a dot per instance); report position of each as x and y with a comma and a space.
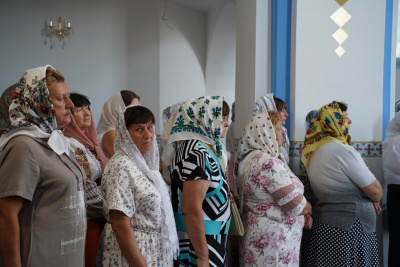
221, 51
355, 78
182, 55
397, 90
114, 46
93, 61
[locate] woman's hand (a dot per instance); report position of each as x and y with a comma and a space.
307, 209
377, 207
308, 220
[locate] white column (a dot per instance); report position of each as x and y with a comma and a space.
252, 59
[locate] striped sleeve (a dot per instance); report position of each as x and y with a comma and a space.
275, 178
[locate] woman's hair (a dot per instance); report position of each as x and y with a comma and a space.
274, 117
79, 100
280, 104
53, 75
128, 96
225, 109
342, 106
138, 114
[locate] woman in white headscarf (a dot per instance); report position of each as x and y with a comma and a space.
140, 228
265, 103
391, 173
199, 189
273, 201
42, 198
111, 109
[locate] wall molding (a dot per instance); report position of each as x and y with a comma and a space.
365, 148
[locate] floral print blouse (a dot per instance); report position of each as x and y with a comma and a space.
273, 199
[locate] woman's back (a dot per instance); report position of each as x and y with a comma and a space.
337, 172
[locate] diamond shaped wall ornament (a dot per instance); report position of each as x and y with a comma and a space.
340, 36
340, 51
341, 17
341, 2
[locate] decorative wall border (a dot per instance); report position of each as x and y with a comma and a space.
366, 149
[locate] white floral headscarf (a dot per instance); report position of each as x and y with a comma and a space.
149, 165
32, 113
199, 119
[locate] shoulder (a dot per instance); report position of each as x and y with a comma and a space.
75, 144
265, 161
190, 148
337, 149
121, 163
25, 143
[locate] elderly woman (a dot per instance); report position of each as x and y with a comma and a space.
273, 201
346, 194
87, 152
270, 102
200, 199
281, 107
391, 173
140, 228
111, 109
42, 199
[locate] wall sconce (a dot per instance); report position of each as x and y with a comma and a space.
60, 32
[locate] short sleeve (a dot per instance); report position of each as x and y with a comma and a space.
354, 167
118, 188
19, 169
276, 179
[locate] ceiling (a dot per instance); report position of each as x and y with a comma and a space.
200, 5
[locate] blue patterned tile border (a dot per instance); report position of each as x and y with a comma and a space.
366, 149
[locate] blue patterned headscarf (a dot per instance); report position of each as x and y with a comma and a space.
199, 119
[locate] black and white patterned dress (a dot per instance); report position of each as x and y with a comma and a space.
194, 161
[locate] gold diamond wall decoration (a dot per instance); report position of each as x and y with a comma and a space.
341, 2
340, 17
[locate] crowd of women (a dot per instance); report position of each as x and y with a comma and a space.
74, 195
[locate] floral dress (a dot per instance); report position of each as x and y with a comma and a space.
273, 200
127, 189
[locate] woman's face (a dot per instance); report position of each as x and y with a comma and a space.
59, 97
279, 132
225, 125
283, 115
83, 117
142, 134
347, 119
